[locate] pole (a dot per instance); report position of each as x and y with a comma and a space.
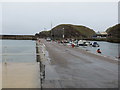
51, 30
63, 33
6, 54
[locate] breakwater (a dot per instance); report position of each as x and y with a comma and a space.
18, 37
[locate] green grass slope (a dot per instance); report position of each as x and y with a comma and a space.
114, 33
72, 31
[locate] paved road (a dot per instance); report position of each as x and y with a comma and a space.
76, 68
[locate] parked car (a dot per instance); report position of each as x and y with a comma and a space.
48, 39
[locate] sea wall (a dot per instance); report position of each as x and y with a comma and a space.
18, 37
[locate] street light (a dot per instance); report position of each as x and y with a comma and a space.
63, 33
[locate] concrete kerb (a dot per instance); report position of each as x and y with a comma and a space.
40, 53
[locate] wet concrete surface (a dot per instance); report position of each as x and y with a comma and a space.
76, 68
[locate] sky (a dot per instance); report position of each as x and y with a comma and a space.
33, 17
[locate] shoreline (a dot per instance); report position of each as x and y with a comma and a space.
106, 58
90, 51
111, 57
103, 55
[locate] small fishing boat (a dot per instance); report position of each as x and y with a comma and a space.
95, 44
83, 43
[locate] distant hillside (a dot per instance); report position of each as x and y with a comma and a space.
114, 33
44, 34
69, 31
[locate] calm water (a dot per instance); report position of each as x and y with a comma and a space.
24, 50
18, 51
107, 48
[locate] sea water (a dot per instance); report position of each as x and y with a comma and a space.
107, 48
19, 67
18, 51
24, 50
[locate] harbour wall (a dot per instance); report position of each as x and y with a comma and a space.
18, 37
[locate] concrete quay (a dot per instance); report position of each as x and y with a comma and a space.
68, 67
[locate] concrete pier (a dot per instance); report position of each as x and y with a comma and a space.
68, 67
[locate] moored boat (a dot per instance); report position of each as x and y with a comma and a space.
83, 43
95, 44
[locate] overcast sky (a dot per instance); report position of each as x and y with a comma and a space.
30, 18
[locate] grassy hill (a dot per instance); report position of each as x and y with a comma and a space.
69, 31
44, 34
114, 33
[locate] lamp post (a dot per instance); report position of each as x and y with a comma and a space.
63, 33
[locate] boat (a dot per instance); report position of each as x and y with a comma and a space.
83, 43
95, 44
